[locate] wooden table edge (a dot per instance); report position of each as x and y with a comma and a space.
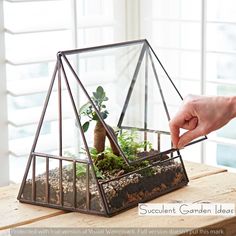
32, 220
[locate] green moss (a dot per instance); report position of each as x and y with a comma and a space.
129, 145
107, 162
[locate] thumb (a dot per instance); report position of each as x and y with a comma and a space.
189, 136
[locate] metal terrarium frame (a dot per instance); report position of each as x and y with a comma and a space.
97, 197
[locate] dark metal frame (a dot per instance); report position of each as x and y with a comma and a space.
58, 72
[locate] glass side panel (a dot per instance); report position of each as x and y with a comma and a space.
126, 87
144, 184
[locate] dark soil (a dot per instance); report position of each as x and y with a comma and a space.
127, 189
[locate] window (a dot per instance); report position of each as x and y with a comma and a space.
196, 42
34, 32
194, 39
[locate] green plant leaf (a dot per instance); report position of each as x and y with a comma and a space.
84, 108
100, 92
104, 114
80, 170
95, 116
96, 96
85, 126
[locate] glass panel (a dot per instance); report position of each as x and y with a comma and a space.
82, 186
48, 142
130, 79
40, 179
95, 203
144, 184
54, 177
67, 183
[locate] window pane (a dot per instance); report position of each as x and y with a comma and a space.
33, 71
228, 131
191, 9
92, 7
189, 87
221, 37
220, 89
19, 164
24, 16
220, 154
28, 47
166, 9
221, 66
190, 36
170, 60
192, 153
226, 155
221, 10
190, 65
166, 34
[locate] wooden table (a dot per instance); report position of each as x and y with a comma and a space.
207, 184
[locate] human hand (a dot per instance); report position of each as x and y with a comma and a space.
200, 115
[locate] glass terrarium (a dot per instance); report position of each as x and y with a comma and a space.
103, 142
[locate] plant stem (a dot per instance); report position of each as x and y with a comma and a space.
113, 146
99, 137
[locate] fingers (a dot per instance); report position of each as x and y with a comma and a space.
174, 131
190, 124
175, 127
188, 136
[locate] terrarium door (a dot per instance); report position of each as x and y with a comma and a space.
103, 142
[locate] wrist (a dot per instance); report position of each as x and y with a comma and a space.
232, 106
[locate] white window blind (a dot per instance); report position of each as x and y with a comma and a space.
196, 42
34, 32
4, 161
